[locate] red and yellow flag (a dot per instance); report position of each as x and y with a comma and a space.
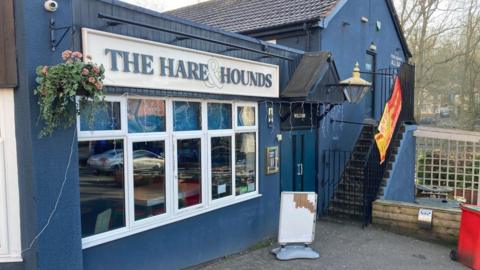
389, 120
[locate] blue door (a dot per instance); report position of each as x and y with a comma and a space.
299, 160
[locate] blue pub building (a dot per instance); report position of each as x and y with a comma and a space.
177, 168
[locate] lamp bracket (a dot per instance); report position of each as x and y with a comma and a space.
54, 43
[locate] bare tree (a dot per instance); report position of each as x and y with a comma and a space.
469, 111
433, 30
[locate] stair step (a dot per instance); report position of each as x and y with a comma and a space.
347, 195
355, 213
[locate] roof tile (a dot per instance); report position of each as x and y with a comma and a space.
248, 15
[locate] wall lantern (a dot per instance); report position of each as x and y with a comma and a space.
270, 116
355, 88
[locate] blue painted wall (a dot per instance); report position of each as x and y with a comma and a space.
42, 162
401, 184
349, 39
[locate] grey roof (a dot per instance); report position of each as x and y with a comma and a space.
248, 15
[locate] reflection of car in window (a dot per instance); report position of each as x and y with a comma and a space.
108, 161
112, 160
147, 162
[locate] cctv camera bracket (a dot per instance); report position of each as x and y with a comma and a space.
54, 43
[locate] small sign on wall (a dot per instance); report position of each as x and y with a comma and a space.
272, 159
425, 217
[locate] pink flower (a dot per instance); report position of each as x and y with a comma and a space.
99, 85
45, 70
85, 72
91, 80
96, 70
77, 55
66, 55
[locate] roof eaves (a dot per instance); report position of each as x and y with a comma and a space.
326, 19
280, 27
172, 18
399, 29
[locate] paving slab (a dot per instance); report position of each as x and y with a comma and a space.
344, 245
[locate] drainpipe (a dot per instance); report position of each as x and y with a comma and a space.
306, 28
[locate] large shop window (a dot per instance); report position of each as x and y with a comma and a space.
146, 162
10, 246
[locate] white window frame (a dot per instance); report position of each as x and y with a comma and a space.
168, 199
244, 128
203, 202
10, 234
107, 133
248, 129
170, 137
221, 134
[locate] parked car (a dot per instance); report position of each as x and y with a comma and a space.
427, 121
445, 112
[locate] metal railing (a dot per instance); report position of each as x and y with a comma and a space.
367, 183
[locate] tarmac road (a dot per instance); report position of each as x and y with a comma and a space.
348, 246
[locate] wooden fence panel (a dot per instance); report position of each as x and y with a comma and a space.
8, 62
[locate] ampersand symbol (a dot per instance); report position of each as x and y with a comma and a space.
213, 74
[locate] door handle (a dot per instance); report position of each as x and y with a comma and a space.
300, 169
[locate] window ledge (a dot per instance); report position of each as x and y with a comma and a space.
10, 258
124, 232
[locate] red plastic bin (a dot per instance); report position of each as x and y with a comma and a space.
469, 239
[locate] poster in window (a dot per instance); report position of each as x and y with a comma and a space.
272, 159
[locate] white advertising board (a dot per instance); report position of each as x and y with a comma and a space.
297, 217
138, 63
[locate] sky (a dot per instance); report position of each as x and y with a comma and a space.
163, 5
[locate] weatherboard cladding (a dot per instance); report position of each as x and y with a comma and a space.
248, 15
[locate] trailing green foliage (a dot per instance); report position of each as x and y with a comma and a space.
59, 85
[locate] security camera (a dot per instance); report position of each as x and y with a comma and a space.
51, 5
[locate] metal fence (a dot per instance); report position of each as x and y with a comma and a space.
450, 159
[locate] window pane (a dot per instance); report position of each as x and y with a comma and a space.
146, 115
105, 116
245, 162
189, 164
221, 154
246, 116
149, 178
102, 179
219, 116
187, 115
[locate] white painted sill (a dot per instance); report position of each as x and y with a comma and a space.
10, 259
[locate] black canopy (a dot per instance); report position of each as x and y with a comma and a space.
311, 80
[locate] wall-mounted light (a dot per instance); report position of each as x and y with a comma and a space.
355, 88
372, 47
270, 115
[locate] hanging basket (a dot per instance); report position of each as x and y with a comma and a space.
59, 85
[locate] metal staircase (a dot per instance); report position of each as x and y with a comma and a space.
352, 180
350, 196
